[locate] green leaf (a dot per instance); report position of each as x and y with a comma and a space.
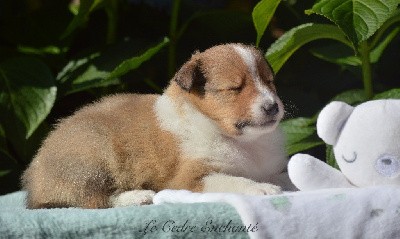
92, 77
280, 51
302, 145
297, 129
27, 93
337, 54
5, 172
65, 74
390, 94
382, 30
352, 97
262, 14
295, 134
135, 62
3, 142
342, 55
96, 70
52, 50
330, 157
300, 134
359, 19
299, 122
83, 74
376, 53
85, 8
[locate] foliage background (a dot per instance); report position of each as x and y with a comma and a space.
36, 30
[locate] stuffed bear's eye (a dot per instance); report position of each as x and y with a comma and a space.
350, 159
387, 165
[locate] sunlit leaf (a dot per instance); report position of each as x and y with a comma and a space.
27, 93
262, 14
359, 19
288, 43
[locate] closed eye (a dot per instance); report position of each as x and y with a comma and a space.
350, 159
237, 88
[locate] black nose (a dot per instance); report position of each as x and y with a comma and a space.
271, 110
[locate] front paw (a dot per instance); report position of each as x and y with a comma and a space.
231, 184
134, 197
262, 189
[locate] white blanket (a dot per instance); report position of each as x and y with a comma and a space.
372, 212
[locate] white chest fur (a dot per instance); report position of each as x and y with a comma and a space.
201, 139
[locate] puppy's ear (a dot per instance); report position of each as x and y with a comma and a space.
191, 77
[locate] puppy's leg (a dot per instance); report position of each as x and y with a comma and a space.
218, 182
134, 197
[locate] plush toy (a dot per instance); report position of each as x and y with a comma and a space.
366, 144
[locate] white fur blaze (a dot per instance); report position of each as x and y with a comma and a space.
248, 58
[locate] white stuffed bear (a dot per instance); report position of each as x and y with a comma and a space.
366, 144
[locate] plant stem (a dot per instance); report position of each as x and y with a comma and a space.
111, 10
173, 37
364, 52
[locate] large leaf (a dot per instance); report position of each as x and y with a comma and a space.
83, 74
390, 94
342, 55
297, 129
135, 62
359, 19
27, 94
300, 134
100, 70
336, 53
262, 14
330, 157
280, 51
352, 97
303, 145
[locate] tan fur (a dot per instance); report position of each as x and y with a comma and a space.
117, 144
89, 156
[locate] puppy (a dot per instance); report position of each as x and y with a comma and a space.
213, 130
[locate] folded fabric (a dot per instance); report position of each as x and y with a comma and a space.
372, 212
152, 221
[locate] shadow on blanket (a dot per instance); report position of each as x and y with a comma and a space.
153, 221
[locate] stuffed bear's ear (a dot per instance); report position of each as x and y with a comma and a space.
331, 121
190, 76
